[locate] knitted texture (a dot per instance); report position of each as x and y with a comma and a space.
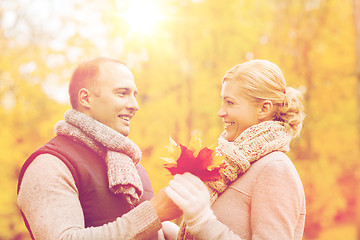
120, 153
251, 145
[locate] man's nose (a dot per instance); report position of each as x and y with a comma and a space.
132, 104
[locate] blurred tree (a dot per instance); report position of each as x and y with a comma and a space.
357, 43
30, 66
304, 41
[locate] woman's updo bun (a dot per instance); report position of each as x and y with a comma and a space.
291, 111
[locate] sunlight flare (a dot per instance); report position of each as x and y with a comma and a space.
142, 16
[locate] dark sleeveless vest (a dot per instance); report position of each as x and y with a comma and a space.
99, 204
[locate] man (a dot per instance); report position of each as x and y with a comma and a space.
86, 182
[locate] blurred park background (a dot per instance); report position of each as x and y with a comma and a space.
179, 51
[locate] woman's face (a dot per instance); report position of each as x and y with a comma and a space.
237, 112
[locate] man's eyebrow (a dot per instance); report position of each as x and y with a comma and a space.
125, 89
121, 89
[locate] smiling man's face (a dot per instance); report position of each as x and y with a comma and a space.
114, 103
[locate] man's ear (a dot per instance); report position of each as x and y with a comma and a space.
265, 110
84, 98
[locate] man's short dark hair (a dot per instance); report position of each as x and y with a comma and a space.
85, 76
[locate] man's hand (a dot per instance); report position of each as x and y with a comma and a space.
165, 208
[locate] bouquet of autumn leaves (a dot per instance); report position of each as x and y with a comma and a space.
202, 162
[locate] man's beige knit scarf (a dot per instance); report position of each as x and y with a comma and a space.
120, 153
252, 144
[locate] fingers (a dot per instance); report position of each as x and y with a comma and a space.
175, 197
192, 183
195, 181
165, 207
181, 189
183, 186
190, 194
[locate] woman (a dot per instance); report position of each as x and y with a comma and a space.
260, 194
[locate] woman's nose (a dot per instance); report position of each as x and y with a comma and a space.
221, 112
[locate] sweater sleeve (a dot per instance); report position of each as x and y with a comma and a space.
276, 202
49, 199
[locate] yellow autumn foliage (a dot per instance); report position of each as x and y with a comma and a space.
178, 69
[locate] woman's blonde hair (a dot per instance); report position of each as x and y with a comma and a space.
262, 80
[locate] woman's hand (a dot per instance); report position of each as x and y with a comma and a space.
192, 196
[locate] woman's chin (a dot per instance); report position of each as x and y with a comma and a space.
229, 137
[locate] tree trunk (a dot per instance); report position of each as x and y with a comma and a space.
357, 42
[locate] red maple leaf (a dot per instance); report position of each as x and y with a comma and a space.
199, 165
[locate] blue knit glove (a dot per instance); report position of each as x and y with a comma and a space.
191, 195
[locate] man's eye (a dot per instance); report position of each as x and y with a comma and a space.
229, 102
121, 93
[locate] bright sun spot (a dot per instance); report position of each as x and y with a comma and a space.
142, 16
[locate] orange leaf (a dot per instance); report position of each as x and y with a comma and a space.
200, 165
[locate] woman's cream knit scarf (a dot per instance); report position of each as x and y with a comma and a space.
252, 144
120, 153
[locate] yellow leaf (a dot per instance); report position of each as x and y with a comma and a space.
195, 144
174, 151
172, 142
216, 161
169, 160
212, 147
